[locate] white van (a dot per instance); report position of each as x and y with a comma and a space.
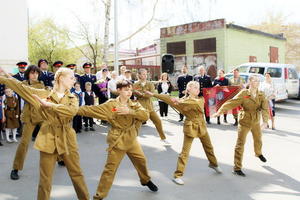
284, 76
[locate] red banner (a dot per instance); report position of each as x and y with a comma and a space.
216, 96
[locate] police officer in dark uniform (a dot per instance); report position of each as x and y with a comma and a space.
182, 81
20, 76
46, 76
72, 67
204, 82
57, 64
88, 77
21, 67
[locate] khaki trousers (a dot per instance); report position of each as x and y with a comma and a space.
114, 157
157, 122
184, 155
23, 146
47, 165
239, 147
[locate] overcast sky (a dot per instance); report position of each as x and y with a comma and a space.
134, 13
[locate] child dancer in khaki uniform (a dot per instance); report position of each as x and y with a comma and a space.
56, 136
30, 117
192, 107
140, 87
125, 118
253, 103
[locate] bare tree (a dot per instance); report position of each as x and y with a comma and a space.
107, 5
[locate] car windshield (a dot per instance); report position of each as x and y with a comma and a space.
230, 76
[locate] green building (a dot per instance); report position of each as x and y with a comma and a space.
218, 45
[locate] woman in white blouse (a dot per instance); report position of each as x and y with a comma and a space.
164, 87
268, 88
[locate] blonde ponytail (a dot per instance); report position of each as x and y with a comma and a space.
60, 72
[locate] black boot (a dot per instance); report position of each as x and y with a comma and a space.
14, 175
262, 158
236, 122
92, 129
239, 173
61, 163
219, 120
225, 118
1, 144
151, 186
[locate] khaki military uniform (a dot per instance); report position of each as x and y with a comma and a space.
236, 82
146, 102
194, 127
56, 137
31, 118
249, 120
121, 139
11, 110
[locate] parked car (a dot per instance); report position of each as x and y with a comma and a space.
284, 76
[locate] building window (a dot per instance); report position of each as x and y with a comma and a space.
205, 45
176, 48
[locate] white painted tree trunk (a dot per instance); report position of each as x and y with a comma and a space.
106, 32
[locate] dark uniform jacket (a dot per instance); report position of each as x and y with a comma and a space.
182, 81
89, 99
204, 81
221, 82
19, 76
47, 78
88, 78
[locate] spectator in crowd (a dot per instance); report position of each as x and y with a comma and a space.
268, 88
56, 65
99, 73
11, 113
87, 77
182, 81
122, 73
21, 77
89, 99
46, 76
1, 119
102, 88
221, 80
73, 67
77, 120
112, 86
21, 67
164, 87
204, 82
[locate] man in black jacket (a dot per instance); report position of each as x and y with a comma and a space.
182, 81
204, 82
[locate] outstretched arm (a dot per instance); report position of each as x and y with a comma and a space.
24, 91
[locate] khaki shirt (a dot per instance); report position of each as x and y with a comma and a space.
56, 133
29, 113
251, 107
144, 99
194, 124
124, 128
237, 82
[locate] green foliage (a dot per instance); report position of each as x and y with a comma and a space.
49, 41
